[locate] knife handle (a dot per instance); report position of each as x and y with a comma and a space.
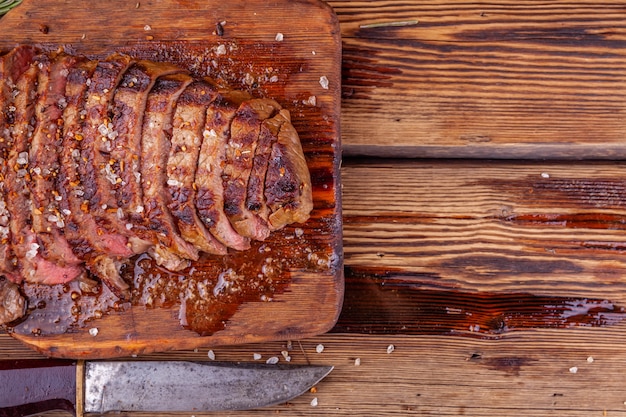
33, 386
31, 409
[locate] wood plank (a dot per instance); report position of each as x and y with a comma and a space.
302, 262
504, 79
537, 365
523, 374
498, 227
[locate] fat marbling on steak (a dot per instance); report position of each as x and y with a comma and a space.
102, 160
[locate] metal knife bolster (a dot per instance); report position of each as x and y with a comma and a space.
171, 386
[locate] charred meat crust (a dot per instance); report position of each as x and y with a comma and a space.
129, 105
12, 66
255, 197
288, 191
43, 159
100, 249
187, 135
86, 237
155, 144
105, 159
211, 160
96, 135
240, 152
26, 245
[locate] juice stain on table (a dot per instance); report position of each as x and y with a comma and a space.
396, 302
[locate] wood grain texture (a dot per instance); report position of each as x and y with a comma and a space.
492, 281
524, 374
457, 247
562, 355
245, 54
532, 227
505, 79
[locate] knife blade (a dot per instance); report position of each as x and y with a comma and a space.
34, 386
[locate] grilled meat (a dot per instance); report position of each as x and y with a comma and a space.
101, 160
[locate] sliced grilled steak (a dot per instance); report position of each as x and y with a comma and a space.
43, 159
101, 160
97, 133
211, 160
12, 303
28, 249
288, 182
240, 150
255, 197
101, 249
12, 66
128, 112
155, 146
188, 128
82, 231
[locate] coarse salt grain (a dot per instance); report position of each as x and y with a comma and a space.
286, 355
32, 251
221, 50
272, 361
319, 348
279, 37
545, 175
357, 362
390, 348
22, 158
573, 369
311, 101
256, 356
209, 133
590, 359
93, 331
324, 82
147, 28
314, 402
211, 355
248, 79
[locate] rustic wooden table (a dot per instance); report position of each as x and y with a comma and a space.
484, 203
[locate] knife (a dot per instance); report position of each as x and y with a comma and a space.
29, 387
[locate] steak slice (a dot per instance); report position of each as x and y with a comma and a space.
288, 190
255, 194
28, 250
211, 160
240, 151
188, 128
101, 249
82, 231
130, 103
155, 146
97, 133
43, 159
12, 66
12, 303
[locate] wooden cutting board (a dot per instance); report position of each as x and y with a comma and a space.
290, 286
